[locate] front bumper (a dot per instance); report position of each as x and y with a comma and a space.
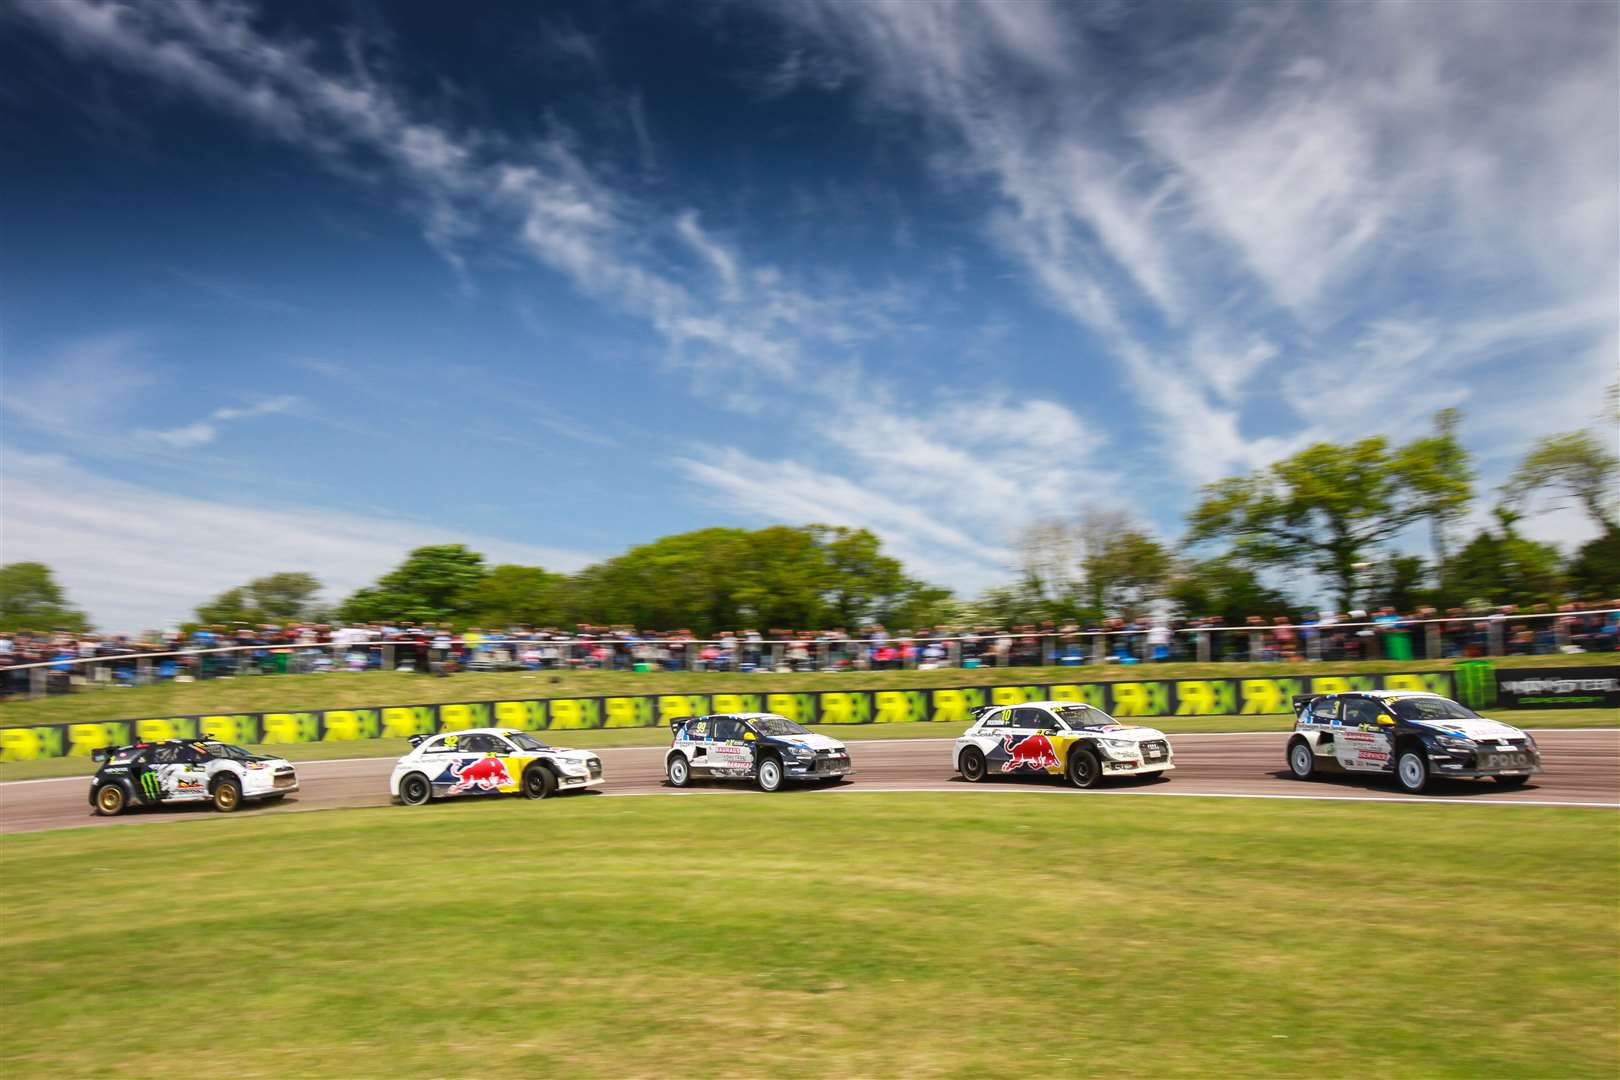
1135, 768
821, 768
1470, 764
271, 792
565, 782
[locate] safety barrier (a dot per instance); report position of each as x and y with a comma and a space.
1476, 683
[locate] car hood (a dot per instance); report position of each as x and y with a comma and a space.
813, 741
565, 753
1481, 730
1133, 732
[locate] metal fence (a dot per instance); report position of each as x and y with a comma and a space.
1406, 639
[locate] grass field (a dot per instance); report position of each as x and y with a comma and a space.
353, 690
659, 736
848, 935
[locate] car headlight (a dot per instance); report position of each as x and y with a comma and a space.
1121, 747
1451, 742
802, 753
568, 765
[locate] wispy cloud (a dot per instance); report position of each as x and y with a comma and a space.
202, 432
143, 557
81, 389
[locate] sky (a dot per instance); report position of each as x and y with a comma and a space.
299, 286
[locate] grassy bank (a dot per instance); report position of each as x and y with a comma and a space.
658, 736
354, 690
849, 935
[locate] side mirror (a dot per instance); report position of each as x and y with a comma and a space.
1386, 721
749, 736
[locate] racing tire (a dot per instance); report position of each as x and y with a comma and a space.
769, 774
1412, 771
110, 800
227, 794
1084, 769
1301, 760
678, 770
1512, 781
415, 790
972, 765
538, 782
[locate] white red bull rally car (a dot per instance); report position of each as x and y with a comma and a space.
1415, 737
1070, 739
489, 761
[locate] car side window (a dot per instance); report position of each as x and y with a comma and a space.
1359, 711
728, 730
441, 745
166, 755
998, 719
190, 755
699, 729
480, 744
1325, 710
1029, 718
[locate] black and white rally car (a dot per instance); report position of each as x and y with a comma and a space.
1416, 737
763, 747
186, 771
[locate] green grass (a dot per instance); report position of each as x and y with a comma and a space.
659, 736
353, 690
996, 935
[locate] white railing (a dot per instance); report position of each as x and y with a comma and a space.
1405, 639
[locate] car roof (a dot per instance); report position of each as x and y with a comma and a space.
1382, 693
1047, 705
478, 731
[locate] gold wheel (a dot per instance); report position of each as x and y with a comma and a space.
110, 799
226, 796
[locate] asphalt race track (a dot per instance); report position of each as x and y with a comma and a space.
1582, 769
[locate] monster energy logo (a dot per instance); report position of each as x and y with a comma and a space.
149, 785
1476, 683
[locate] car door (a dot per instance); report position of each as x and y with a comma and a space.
1319, 723
1362, 742
1000, 726
694, 738
182, 773
480, 767
1025, 745
733, 749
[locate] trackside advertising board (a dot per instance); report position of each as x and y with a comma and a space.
1182, 697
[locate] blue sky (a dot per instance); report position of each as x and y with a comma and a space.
300, 286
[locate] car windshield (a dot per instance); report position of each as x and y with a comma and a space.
777, 725
226, 750
524, 741
1431, 708
1079, 716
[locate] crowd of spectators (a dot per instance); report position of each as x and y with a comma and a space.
438, 648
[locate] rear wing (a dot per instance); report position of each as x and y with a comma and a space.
1303, 702
677, 722
978, 713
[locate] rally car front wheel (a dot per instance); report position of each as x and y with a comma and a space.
1084, 769
770, 774
227, 794
679, 770
971, 765
110, 800
538, 782
415, 790
1412, 771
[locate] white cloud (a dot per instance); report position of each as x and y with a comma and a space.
81, 388
141, 557
202, 432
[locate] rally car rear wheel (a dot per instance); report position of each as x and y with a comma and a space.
227, 794
110, 800
415, 790
1301, 760
679, 770
770, 774
538, 782
971, 765
1084, 769
1412, 770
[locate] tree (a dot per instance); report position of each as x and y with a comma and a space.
1048, 553
1573, 465
431, 585
1398, 582
516, 595
1224, 587
1594, 572
1505, 568
1125, 569
281, 597
30, 599
1327, 507
1438, 458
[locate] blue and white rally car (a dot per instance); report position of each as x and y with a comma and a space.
763, 747
1416, 737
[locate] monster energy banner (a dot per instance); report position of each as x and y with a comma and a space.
1559, 688
1182, 697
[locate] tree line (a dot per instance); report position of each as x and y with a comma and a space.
1331, 510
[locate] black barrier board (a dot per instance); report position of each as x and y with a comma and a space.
1559, 688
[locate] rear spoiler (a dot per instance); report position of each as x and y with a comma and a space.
978, 712
1303, 702
675, 722
104, 753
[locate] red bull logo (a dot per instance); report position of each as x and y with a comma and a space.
1034, 752
485, 774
